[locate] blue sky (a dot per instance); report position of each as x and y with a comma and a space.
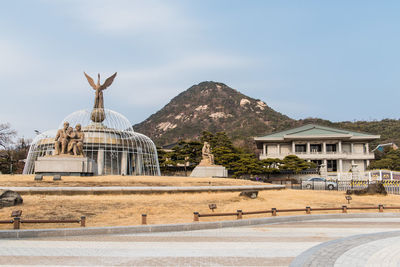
337, 60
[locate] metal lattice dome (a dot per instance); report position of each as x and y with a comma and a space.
112, 143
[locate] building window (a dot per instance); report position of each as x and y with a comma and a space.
300, 148
330, 147
316, 148
332, 165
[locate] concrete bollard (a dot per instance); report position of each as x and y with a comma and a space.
344, 209
273, 211
380, 208
240, 214
195, 216
17, 223
38, 177
308, 210
83, 221
144, 219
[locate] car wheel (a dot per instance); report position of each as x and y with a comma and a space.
308, 186
331, 187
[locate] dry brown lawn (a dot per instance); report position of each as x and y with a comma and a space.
114, 210
117, 180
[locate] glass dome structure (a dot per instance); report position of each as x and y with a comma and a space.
110, 142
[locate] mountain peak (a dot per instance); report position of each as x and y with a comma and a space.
211, 106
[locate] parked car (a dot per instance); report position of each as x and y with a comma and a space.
319, 183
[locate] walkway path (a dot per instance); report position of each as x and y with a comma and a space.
140, 189
264, 245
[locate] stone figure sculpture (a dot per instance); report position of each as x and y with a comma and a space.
98, 114
75, 144
68, 141
61, 140
207, 157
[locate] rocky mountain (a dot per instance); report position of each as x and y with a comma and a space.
214, 107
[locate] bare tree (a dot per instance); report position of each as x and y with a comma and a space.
6, 135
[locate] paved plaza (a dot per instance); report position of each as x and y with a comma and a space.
327, 242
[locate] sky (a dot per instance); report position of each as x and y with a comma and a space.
336, 60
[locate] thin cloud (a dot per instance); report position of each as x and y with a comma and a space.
130, 17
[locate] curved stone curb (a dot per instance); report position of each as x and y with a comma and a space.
70, 190
181, 227
327, 253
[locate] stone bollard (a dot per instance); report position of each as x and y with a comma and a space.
83, 221
344, 209
380, 208
38, 177
144, 219
57, 177
308, 210
240, 214
17, 223
273, 211
195, 216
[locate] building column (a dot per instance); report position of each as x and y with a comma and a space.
324, 147
308, 148
264, 149
340, 165
326, 162
278, 148
367, 163
366, 148
124, 163
293, 148
340, 147
352, 148
100, 161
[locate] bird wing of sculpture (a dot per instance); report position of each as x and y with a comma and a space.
108, 82
90, 80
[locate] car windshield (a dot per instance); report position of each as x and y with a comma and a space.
317, 179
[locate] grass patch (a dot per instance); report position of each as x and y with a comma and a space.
118, 210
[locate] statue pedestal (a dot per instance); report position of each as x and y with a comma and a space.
65, 165
209, 171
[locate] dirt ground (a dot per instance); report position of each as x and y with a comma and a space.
117, 180
116, 210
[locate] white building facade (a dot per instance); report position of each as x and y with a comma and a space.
336, 149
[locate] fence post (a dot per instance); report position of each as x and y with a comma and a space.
391, 175
17, 222
239, 214
273, 211
369, 176
83, 221
144, 219
195, 216
380, 208
380, 175
308, 210
344, 209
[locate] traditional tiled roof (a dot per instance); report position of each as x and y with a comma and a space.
314, 130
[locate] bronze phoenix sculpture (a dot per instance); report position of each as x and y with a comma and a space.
98, 114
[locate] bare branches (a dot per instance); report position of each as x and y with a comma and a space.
6, 135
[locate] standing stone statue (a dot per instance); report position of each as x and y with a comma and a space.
207, 157
61, 140
98, 114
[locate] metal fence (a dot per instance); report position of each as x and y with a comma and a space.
391, 186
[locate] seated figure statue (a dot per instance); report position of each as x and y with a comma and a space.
207, 157
79, 136
75, 145
61, 140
